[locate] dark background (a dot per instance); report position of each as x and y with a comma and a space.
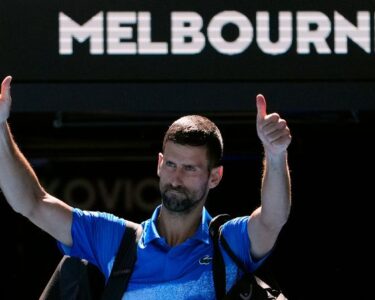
92, 128
324, 248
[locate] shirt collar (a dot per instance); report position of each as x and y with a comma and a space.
202, 234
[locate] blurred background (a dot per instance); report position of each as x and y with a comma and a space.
96, 84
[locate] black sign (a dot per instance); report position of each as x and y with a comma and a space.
165, 40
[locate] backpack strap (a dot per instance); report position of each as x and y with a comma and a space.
249, 284
245, 286
218, 266
124, 263
231, 254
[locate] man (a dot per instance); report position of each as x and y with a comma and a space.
175, 251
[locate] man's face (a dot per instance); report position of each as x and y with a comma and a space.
184, 177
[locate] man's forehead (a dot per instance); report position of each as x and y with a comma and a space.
186, 153
171, 146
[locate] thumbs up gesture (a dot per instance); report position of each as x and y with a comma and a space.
272, 130
5, 99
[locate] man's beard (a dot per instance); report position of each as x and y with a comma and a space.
179, 200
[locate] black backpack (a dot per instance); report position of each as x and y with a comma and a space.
250, 286
76, 279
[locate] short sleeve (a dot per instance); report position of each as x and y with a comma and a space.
96, 238
236, 235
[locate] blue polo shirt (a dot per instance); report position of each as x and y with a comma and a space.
161, 271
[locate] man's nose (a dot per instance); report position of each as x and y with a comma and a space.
176, 178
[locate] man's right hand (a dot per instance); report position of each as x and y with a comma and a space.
5, 99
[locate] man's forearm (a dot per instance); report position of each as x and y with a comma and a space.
276, 192
18, 181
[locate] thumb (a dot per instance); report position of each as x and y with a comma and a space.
261, 106
5, 87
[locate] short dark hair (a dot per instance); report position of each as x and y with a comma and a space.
196, 130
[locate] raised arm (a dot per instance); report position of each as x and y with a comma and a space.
21, 186
267, 220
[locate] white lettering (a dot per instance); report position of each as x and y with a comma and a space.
187, 25
92, 30
285, 33
117, 33
130, 33
306, 36
215, 28
145, 45
344, 30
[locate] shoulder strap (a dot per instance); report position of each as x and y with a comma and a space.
260, 289
123, 265
218, 266
231, 254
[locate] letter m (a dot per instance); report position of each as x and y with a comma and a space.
92, 30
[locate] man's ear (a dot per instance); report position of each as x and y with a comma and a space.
215, 176
160, 161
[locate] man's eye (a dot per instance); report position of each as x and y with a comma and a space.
169, 164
